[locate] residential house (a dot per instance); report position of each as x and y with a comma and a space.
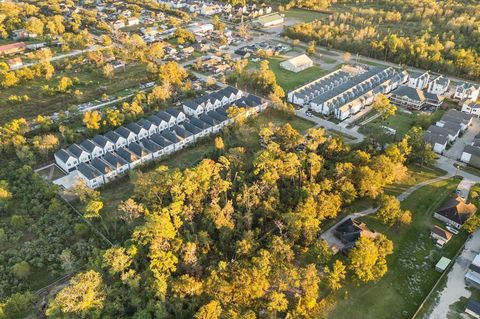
159, 122
439, 85
438, 142
149, 126
104, 143
132, 159
412, 98
117, 140
168, 118
350, 231
138, 130
152, 147
195, 131
473, 308
472, 277
471, 155
297, 64
14, 63
450, 133
452, 115
455, 212
177, 114
183, 134
67, 161
471, 107
92, 148
173, 138
126, 134
82, 155
418, 80
168, 147
204, 126
90, 175
108, 172
222, 119
13, 48
441, 235
118, 163
466, 91
193, 108
434, 99
142, 153
215, 124
22, 34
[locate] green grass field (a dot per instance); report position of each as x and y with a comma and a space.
289, 80
411, 271
305, 15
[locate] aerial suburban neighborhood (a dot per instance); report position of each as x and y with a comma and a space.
217, 159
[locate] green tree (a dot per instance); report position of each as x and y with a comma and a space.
22, 270
389, 211
383, 106
336, 275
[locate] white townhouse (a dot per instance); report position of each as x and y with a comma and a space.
167, 146
149, 126
222, 119
117, 140
141, 152
159, 122
119, 164
215, 124
231, 93
152, 147
204, 126
109, 173
438, 142
471, 107
92, 148
104, 143
195, 131
219, 99
178, 144
439, 85
138, 130
82, 155
126, 134
177, 114
183, 134
418, 80
132, 159
466, 91
192, 108
169, 119
92, 177
452, 115
450, 133
65, 160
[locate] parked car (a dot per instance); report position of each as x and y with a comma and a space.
452, 229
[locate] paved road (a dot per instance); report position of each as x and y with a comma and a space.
330, 125
455, 152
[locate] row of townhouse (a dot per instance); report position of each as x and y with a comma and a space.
101, 159
445, 131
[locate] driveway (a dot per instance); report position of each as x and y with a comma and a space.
455, 287
455, 152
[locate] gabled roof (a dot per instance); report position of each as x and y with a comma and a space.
146, 124
135, 128
180, 131
88, 145
218, 116
434, 138
173, 112
63, 155
200, 124
138, 149
102, 166
165, 116
298, 61
470, 149
441, 131
208, 119
192, 104
124, 132
156, 120
456, 210
192, 128
151, 146
160, 140
101, 140
411, 93
127, 155
473, 306
170, 136
460, 116
446, 235
88, 171
113, 136
76, 150
114, 160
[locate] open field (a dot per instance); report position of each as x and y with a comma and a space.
416, 175
305, 15
92, 85
411, 271
289, 80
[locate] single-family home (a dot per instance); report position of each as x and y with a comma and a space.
117, 140
418, 80
433, 99
177, 114
168, 147
126, 134
159, 122
350, 231
183, 134
92, 177
472, 277
168, 118
104, 143
82, 155
471, 107
92, 148
151, 127
442, 236
455, 212
466, 91
437, 141
65, 160
141, 152
132, 159
178, 143
108, 172
12, 48
297, 64
118, 163
155, 149
473, 308
439, 85
138, 130
450, 133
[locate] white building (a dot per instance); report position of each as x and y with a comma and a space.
471, 107
297, 64
418, 80
90, 175
466, 91
65, 160
439, 85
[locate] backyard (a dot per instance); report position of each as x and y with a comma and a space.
411, 271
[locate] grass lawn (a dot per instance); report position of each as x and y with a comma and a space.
401, 122
416, 174
411, 271
305, 15
289, 80
92, 85
120, 189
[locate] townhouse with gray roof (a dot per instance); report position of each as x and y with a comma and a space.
90, 175
108, 172
466, 91
418, 80
66, 160
92, 148
439, 85
104, 143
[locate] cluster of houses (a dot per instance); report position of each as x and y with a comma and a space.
100, 159
445, 131
341, 95
252, 49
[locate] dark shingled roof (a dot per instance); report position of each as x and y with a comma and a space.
113, 136
138, 149
123, 131
411, 93
88, 145
160, 140
88, 171
192, 128
156, 120
102, 166
127, 155
63, 155
433, 138
76, 150
170, 136
181, 131
114, 160
164, 116
135, 128
455, 209
473, 306
173, 112
151, 146
200, 124
442, 233
101, 140
146, 124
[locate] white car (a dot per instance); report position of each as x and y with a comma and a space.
451, 229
